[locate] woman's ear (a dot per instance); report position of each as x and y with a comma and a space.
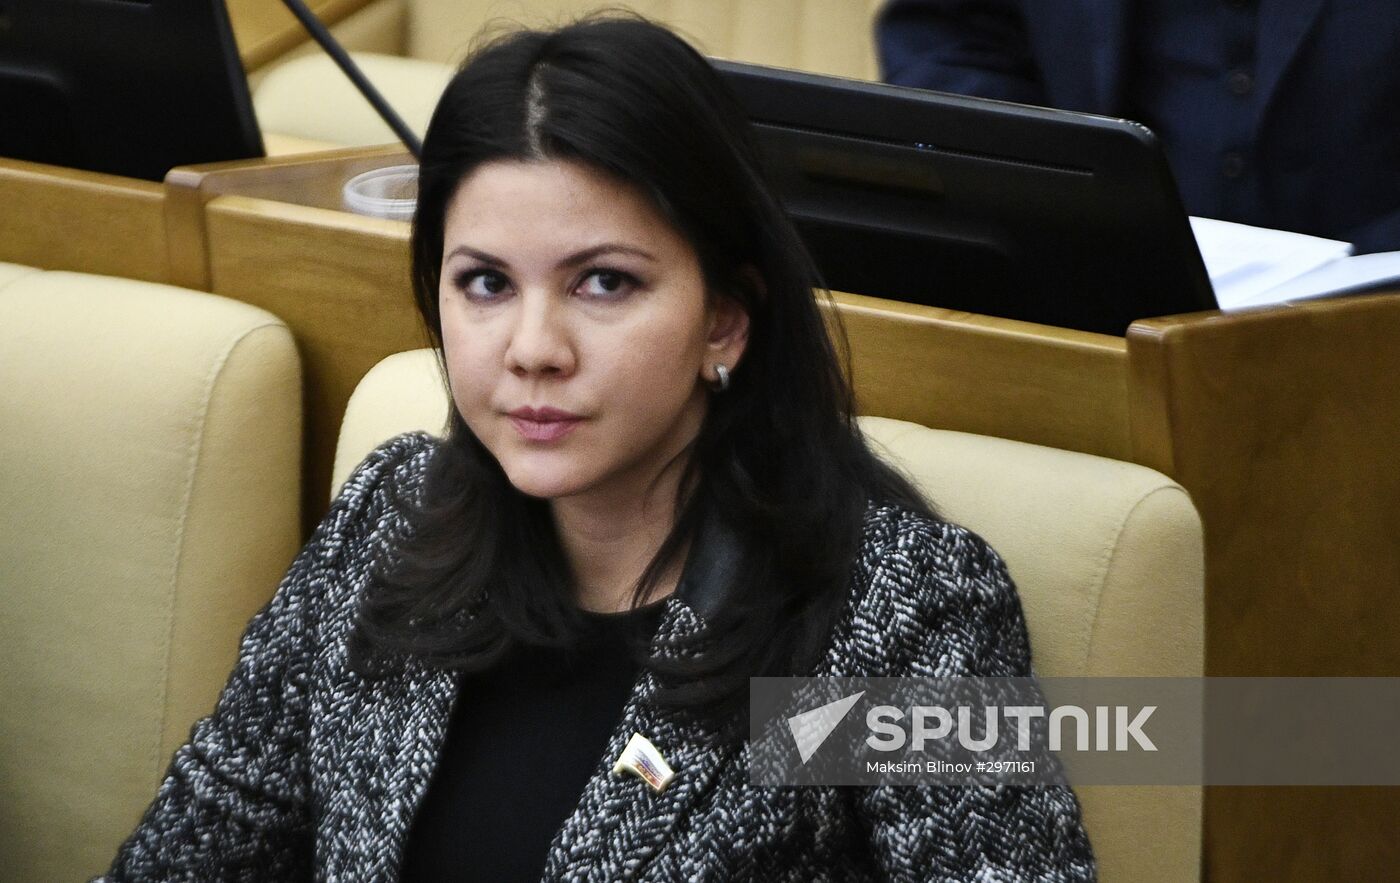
729, 327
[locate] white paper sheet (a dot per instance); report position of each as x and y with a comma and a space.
1245, 263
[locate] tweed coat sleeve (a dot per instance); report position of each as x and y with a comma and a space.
940, 603
234, 802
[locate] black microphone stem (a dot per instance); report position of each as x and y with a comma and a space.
338, 54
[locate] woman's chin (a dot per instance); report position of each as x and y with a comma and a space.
545, 485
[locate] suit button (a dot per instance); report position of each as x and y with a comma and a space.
1232, 165
1241, 82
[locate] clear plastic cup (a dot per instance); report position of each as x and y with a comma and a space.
390, 192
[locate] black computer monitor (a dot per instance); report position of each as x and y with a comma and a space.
1002, 209
130, 87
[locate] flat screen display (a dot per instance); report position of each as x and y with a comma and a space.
1002, 209
128, 87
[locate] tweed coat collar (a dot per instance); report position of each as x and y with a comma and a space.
619, 823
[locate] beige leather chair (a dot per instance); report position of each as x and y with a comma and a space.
306, 96
150, 468
1107, 557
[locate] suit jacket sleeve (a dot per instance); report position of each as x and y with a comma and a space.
971, 47
951, 610
1378, 234
233, 805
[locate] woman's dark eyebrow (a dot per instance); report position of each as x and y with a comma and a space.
579, 257
588, 254
482, 256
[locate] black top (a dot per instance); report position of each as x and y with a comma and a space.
524, 739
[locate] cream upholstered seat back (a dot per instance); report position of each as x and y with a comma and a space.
1106, 555
150, 467
403, 393
309, 99
823, 36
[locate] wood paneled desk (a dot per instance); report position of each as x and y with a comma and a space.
1284, 424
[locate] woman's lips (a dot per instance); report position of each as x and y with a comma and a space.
544, 424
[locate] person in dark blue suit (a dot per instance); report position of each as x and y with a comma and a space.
1278, 113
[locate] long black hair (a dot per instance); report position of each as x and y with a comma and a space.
778, 460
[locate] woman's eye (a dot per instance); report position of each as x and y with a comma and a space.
482, 284
606, 284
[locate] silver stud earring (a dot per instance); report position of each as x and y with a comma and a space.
722, 375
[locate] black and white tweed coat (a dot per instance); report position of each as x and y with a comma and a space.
306, 771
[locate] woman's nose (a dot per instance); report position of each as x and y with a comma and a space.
540, 340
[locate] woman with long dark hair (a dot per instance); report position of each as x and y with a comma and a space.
652, 489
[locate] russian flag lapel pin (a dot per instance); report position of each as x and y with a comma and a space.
641, 759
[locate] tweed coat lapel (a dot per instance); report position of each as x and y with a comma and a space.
393, 736
420, 735
620, 823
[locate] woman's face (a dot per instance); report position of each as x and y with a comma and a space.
576, 328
